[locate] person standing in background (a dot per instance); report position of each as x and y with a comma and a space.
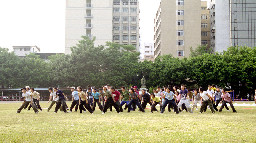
53, 97
75, 99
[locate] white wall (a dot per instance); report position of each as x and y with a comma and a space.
222, 22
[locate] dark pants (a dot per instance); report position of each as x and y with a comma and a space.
166, 102
144, 104
110, 103
84, 105
224, 103
36, 102
204, 106
90, 102
75, 104
26, 103
217, 103
94, 104
153, 106
61, 103
136, 102
122, 103
50, 107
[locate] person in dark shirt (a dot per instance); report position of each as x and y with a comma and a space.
145, 99
134, 99
61, 101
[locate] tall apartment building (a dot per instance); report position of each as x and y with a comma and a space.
126, 22
177, 27
235, 24
107, 20
205, 25
213, 27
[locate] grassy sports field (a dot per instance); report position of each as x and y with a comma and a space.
126, 127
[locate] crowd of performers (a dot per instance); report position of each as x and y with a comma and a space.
171, 98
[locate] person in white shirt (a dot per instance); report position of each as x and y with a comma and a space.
53, 97
28, 100
210, 92
207, 100
36, 97
28, 91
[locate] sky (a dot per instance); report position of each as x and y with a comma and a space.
42, 23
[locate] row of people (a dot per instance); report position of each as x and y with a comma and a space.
108, 97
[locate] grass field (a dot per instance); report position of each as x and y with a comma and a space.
126, 127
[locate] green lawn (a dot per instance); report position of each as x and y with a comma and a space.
126, 127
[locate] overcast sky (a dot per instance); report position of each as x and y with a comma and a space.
42, 23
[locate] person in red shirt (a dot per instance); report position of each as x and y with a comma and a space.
116, 96
226, 99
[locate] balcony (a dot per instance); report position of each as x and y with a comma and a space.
88, 26
88, 5
133, 31
88, 16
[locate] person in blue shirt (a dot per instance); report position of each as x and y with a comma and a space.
96, 99
75, 99
61, 102
169, 99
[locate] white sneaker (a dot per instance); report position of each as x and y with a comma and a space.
103, 113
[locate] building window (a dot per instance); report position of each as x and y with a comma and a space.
203, 16
133, 9
203, 25
203, 8
146, 46
180, 12
116, 37
116, 9
125, 18
146, 51
133, 28
180, 53
133, 18
180, 43
134, 45
133, 2
180, 33
204, 34
116, 28
180, 22
116, 18
204, 42
125, 37
26, 49
125, 2
180, 2
133, 37
125, 10
116, 2
125, 28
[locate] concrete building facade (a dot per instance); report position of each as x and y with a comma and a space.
205, 24
235, 24
106, 20
213, 27
148, 52
177, 27
22, 51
